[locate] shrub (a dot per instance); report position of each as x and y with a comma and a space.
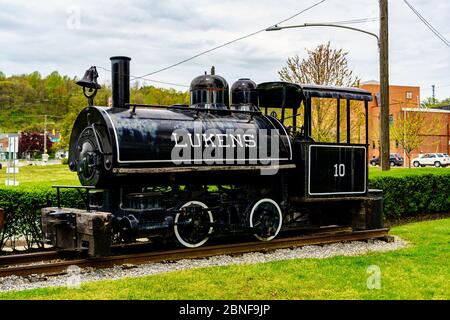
414, 194
403, 196
23, 212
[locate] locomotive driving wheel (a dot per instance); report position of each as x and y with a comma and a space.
193, 224
266, 219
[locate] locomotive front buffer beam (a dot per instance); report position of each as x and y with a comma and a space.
78, 230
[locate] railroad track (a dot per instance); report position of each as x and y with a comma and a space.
50, 263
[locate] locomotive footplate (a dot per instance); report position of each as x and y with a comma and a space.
77, 230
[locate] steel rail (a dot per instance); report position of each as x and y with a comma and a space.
7, 260
60, 267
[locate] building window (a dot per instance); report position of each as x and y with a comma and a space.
409, 95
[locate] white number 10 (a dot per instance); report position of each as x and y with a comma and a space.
339, 170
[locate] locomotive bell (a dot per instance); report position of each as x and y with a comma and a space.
89, 79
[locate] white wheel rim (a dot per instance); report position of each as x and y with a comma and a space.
177, 233
279, 213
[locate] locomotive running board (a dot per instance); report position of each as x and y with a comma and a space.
201, 168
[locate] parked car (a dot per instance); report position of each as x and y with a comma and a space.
394, 160
431, 159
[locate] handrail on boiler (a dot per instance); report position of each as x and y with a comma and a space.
186, 107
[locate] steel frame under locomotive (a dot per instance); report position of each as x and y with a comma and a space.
123, 156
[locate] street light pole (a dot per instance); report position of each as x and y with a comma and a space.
332, 25
383, 47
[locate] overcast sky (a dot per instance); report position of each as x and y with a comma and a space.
70, 36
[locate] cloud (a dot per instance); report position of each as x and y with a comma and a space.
71, 36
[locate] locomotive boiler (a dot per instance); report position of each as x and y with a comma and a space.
226, 163
125, 143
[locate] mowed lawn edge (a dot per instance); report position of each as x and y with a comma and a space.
30, 177
421, 271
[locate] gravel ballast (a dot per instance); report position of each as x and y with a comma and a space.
76, 276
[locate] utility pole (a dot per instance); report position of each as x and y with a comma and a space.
384, 85
45, 134
433, 89
45, 155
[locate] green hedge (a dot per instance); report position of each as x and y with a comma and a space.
403, 196
23, 210
411, 195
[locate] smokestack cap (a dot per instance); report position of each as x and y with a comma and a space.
120, 58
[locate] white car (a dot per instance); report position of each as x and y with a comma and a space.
431, 159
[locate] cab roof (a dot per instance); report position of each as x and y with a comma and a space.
273, 94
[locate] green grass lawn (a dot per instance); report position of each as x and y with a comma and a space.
421, 271
46, 176
401, 172
42, 176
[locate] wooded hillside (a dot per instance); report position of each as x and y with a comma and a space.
26, 99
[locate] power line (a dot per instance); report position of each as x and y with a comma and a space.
436, 32
208, 51
151, 80
230, 42
354, 21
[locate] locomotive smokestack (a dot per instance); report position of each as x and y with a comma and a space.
120, 78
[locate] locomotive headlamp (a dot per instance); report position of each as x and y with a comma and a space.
89, 81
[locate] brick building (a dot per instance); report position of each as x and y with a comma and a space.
404, 100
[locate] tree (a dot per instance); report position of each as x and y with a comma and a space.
25, 99
428, 103
434, 103
407, 130
32, 144
323, 66
445, 102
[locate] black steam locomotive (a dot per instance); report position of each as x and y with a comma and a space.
214, 167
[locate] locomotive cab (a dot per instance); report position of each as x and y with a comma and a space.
329, 131
320, 120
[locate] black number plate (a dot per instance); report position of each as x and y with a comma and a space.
337, 169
